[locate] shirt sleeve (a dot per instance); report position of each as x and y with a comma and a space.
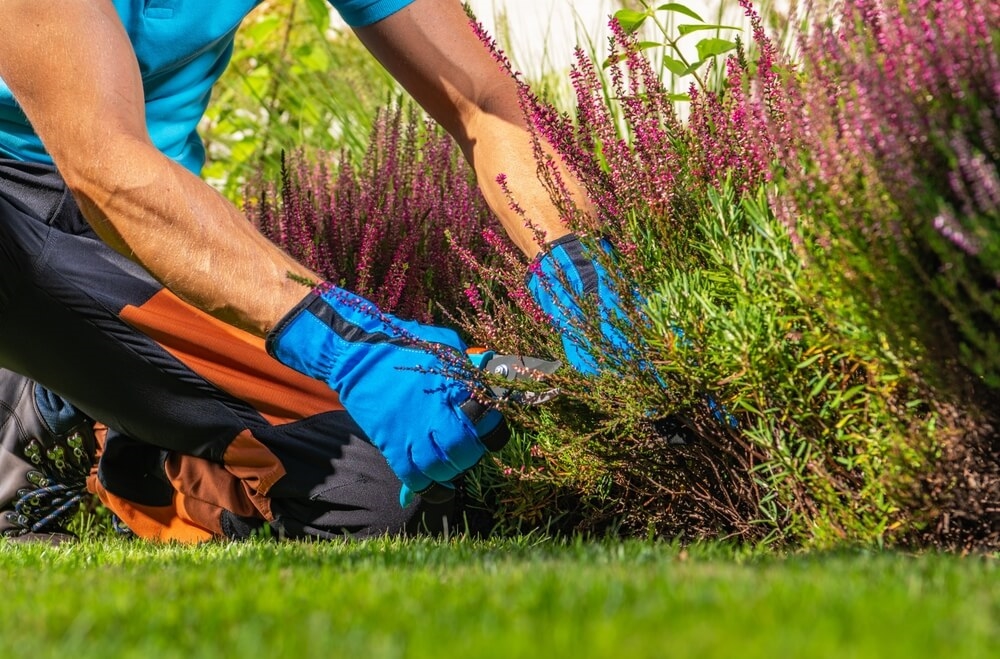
358, 13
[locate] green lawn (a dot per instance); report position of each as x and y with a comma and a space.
513, 598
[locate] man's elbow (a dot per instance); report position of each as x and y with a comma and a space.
96, 165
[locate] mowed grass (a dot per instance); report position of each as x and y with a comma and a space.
528, 597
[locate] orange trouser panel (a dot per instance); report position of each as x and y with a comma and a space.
202, 490
236, 362
231, 359
161, 523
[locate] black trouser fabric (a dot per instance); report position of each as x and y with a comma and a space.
62, 291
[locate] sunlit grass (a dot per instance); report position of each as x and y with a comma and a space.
525, 597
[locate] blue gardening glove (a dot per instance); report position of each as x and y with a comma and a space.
564, 273
400, 393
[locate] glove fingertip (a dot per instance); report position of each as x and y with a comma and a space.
406, 496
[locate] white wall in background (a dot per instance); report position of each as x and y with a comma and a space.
544, 32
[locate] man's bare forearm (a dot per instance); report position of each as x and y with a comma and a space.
74, 73
188, 236
504, 147
431, 49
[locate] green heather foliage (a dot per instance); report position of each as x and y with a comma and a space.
892, 154
768, 261
890, 189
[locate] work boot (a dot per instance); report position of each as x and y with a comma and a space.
47, 448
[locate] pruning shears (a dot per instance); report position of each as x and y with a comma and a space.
511, 368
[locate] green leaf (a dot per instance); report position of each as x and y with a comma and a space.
688, 28
319, 13
630, 19
312, 59
693, 67
680, 9
809, 362
675, 66
257, 81
259, 31
712, 47
679, 97
853, 391
646, 45
819, 386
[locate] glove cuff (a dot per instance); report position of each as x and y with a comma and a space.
273, 336
568, 256
560, 277
298, 328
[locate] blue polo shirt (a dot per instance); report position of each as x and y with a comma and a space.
182, 47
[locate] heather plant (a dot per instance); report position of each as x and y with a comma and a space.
834, 434
835, 424
381, 228
890, 192
738, 240
897, 117
619, 450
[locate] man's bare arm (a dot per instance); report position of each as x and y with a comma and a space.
430, 48
71, 67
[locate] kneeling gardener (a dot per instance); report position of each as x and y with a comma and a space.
147, 326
